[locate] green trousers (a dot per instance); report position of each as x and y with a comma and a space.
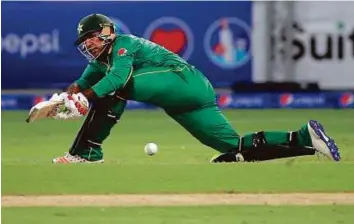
188, 98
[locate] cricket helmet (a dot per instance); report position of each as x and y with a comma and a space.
94, 26
92, 23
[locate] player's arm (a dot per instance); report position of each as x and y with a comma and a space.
115, 80
117, 77
89, 77
118, 74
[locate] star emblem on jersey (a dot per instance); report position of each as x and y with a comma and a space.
122, 52
79, 28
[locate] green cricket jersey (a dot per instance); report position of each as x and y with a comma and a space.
128, 52
156, 76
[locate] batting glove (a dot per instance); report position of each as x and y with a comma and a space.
77, 104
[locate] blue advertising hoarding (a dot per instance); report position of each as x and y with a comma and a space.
339, 100
37, 37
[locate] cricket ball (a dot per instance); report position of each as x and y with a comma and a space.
150, 149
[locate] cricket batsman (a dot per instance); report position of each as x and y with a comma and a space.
126, 67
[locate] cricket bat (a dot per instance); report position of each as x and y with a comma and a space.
45, 109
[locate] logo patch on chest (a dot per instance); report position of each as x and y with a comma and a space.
122, 51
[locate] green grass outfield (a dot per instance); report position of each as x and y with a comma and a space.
182, 163
186, 215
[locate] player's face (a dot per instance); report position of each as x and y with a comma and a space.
92, 47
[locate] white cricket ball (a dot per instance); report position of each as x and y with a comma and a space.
150, 149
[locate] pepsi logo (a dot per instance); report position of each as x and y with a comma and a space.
346, 99
286, 99
224, 100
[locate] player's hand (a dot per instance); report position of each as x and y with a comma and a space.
73, 88
77, 104
65, 113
